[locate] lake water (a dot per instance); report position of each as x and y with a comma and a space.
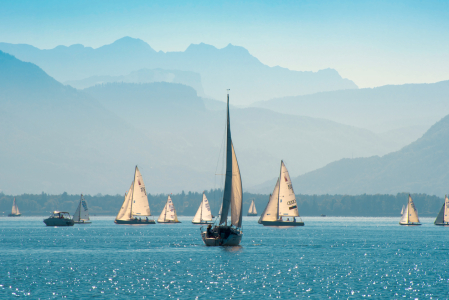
327, 258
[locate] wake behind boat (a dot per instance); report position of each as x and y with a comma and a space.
410, 215
81, 215
135, 208
281, 209
252, 212
443, 216
224, 234
15, 210
203, 214
168, 214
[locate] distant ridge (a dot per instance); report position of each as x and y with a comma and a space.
231, 67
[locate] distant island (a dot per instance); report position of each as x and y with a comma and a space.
187, 203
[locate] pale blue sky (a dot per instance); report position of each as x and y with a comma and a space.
370, 42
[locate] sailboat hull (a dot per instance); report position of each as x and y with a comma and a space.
251, 215
442, 224
59, 222
203, 222
282, 223
410, 224
231, 240
168, 222
134, 222
14, 215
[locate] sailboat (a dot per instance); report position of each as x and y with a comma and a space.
81, 215
443, 215
15, 210
203, 214
168, 214
252, 212
410, 215
135, 206
281, 209
224, 234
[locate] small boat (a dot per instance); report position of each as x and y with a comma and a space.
135, 208
252, 212
59, 218
281, 209
443, 216
81, 215
223, 234
410, 215
15, 210
168, 214
322, 215
203, 214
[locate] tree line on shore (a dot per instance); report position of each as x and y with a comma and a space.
186, 204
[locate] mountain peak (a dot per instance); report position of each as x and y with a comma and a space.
129, 42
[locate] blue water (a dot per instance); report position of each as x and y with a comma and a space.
328, 257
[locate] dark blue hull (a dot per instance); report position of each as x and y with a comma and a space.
134, 222
281, 223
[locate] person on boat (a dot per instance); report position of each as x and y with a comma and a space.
209, 231
146, 219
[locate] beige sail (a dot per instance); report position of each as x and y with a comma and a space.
169, 212
412, 212
287, 198
125, 211
252, 208
15, 208
140, 206
271, 211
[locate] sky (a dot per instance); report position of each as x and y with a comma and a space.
373, 43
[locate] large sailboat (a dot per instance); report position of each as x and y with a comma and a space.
81, 215
15, 210
443, 215
252, 212
223, 234
203, 214
135, 208
410, 215
281, 209
168, 214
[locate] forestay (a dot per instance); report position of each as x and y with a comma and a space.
287, 198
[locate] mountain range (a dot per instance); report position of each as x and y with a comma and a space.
231, 67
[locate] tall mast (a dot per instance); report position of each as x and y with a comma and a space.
279, 192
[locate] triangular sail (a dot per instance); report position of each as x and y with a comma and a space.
402, 210
404, 218
125, 211
140, 206
169, 212
162, 215
233, 194
271, 211
287, 198
15, 208
197, 217
252, 208
412, 212
443, 215
206, 214
82, 212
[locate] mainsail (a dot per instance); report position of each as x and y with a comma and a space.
271, 211
82, 212
140, 206
443, 215
169, 212
233, 194
252, 208
404, 218
412, 212
15, 208
203, 213
287, 198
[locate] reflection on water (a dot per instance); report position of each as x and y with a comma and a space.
328, 257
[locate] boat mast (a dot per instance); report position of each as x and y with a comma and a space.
279, 192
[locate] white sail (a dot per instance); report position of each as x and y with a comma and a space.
271, 211
169, 212
443, 214
197, 217
125, 211
412, 212
404, 218
162, 215
221, 209
206, 214
252, 208
233, 194
82, 212
15, 208
402, 210
140, 206
287, 198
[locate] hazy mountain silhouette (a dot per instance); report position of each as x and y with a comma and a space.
145, 76
231, 67
420, 167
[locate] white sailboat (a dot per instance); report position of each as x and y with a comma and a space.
252, 209
281, 209
443, 215
15, 210
203, 214
135, 208
168, 214
81, 215
224, 234
410, 215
